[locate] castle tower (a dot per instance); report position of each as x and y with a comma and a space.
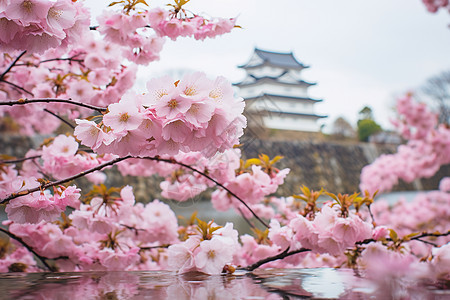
275, 95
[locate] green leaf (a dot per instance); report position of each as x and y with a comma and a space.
252, 161
264, 158
333, 196
393, 235
276, 158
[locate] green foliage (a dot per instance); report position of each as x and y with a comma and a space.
366, 128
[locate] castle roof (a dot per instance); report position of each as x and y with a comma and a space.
276, 59
283, 78
264, 95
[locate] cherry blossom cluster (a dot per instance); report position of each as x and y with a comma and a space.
428, 211
59, 159
107, 233
165, 24
62, 159
90, 73
192, 114
251, 184
42, 206
38, 25
141, 33
434, 5
328, 232
426, 151
129, 32
207, 250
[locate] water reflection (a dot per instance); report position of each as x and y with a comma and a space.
262, 284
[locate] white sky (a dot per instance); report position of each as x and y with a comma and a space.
360, 52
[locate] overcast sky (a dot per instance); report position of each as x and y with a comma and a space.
359, 52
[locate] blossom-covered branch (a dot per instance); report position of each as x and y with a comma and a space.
44, 186
42, 259
24, 101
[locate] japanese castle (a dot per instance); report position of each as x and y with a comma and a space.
275, 95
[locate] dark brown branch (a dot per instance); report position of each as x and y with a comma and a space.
50, 100
427, 242
12, 65
245, 218
29, 248
99, 167
18, 87
50, 184
282, 255
173, 161
61, 119
70, 59
426, 234
154, 247
13, 161
414, 238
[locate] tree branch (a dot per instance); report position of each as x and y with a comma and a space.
50, 184
13, 161
414, 238
282, 255
49, 100
154, 247
61, 119
70, 59
99, 167
18, 87
12, 65
29, 248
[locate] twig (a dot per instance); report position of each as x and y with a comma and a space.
282, 255
18, 87
173, 161
29, 248
61, 119
12, 65
13, 161
426, 234
49, 100
245, 218
70, 59
417, 237
50, 184
427, 242
154, 247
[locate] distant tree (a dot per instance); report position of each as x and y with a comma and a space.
366, 128
342, 128
437, 89
366, 124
